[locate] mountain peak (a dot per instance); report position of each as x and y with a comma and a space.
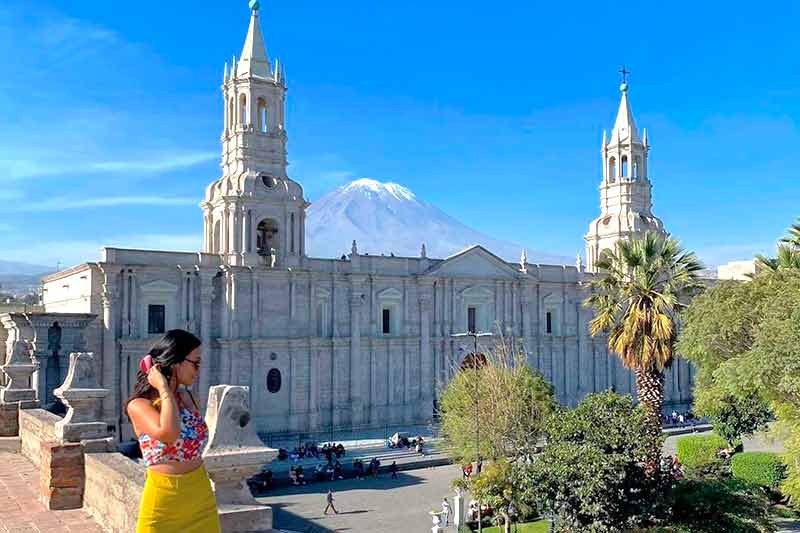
389, 219
374, 186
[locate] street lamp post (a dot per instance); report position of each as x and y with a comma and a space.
475, 335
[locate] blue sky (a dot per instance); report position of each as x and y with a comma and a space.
493, 112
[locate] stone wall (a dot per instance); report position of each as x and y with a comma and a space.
36, 426
113, 490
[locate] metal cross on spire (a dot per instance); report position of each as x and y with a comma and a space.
624, 73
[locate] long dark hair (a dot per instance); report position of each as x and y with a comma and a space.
169, 350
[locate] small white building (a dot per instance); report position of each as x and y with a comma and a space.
353, 342
737, 270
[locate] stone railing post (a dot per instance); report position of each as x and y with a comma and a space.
233, 454
83, 398
18, 368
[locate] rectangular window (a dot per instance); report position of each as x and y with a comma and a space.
387, 321
548, 326
472, 322
155, 319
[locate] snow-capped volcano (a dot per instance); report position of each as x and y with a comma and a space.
387, 218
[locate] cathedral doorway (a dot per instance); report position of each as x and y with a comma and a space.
267, 236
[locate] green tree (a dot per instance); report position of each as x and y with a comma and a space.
495, 487
498, 405
593, 473
744, 338
636, 299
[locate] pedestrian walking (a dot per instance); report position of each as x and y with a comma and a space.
393, 469
446, 512
330, 499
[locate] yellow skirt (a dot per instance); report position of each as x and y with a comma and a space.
181, 503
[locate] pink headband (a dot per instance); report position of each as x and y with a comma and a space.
146, 363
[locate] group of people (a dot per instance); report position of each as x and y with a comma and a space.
401, 440
311, 449
679, 419
466, 470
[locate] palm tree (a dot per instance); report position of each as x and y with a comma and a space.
788, 256
636, 298
793, 237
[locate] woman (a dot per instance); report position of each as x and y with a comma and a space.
172, 433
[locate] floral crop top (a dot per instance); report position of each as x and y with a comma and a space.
189, 445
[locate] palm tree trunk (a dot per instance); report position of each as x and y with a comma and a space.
650, 389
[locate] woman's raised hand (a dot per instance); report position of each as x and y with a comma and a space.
156, 379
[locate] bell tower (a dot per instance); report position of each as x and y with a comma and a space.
625, 192
254, 214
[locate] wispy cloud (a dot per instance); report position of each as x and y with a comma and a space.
147, 164
62, 204
73, 252
163, 164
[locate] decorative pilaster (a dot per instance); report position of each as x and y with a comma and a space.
356, 401
206, 297
428, 382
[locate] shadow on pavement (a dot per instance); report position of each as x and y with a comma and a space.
382, 482
285, 518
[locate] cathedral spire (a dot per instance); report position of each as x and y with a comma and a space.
625, 126
254, 60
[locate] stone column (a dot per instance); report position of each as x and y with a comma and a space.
427, 371
459, 510
356, 402
313, 392
206, 297
111, 374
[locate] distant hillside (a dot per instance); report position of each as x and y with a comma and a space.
15, 268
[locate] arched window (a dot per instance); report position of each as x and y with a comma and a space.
243, 110
624, 166
612, 168
637, 167
263, 125
267, 236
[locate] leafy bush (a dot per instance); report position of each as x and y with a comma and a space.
714, 505
592, 472
758, 468
700, 453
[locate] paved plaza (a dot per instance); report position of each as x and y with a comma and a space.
374, 505
382, 505
20, 510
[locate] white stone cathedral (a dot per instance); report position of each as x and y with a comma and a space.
352, 342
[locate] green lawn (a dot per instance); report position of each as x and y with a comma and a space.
540, 526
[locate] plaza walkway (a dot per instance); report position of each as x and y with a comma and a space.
20, 510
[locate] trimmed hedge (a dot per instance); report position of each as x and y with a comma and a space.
699, 452
759, 468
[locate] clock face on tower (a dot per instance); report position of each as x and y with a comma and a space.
268, 181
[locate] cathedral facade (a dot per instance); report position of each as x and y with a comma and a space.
351, 342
